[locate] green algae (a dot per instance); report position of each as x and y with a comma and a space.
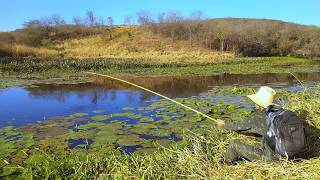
142, 128
13, 143
79, 115
128, 108
128, 140
146, 119
163, 142
101, 117
90, 125
243, 90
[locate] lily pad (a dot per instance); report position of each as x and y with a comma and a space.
129, 140
100, 117
79, 114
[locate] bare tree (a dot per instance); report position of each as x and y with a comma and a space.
196, 15
77, 20
127, 20
100, 21
161, 17
91, 18
144, 17
110, 21
174, 16
32, 24
56, 20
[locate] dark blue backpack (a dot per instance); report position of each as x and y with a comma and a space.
286, 131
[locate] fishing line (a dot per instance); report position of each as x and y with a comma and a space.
165, 97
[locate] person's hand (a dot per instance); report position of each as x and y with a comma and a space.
220, 123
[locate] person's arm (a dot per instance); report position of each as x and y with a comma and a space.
253, 124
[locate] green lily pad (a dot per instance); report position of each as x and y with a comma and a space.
79, 114
128, 108
129, 140
101, 117
146, 120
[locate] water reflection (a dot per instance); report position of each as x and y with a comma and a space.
171, 86
21, 106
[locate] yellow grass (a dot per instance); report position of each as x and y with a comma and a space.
136, 42
24, 51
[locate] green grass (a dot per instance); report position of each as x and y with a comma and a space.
142, 66
199, 155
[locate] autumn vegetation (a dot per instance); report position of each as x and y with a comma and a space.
168, 35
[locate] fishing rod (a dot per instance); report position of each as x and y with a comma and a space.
165, 97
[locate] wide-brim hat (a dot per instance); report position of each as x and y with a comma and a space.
264, 97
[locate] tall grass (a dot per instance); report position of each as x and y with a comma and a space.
16, 50
137, 42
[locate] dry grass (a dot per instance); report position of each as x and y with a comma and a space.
16, 50
136, 42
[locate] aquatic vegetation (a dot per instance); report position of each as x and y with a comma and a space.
243, 90
177, 145
14, 145
101, 117
138, 66
79, 114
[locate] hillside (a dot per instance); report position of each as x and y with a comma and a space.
137, 42
121, 42
171, 41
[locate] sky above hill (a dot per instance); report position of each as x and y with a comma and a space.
13, 13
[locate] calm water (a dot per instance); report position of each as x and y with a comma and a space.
21, 106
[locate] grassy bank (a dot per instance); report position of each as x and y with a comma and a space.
28, 71
141, 66
198, 155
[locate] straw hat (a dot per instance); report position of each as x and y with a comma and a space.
264, 97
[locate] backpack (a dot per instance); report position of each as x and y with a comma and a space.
285, 131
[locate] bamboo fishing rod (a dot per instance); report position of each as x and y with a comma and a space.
148, 90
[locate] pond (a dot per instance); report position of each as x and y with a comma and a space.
105, 112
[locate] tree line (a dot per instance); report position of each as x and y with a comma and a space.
46, 31
245, 37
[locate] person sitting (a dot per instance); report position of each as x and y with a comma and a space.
281, 132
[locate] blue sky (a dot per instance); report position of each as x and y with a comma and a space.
13, 13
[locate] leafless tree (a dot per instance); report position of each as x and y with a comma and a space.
91, 18
57, 20
173, 16
110, 21
77, 20
196, 15
127, 20
100, 21
161, 17
144, 17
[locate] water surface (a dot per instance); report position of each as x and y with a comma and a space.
20, 106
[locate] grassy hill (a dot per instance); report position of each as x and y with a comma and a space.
137, 42
172, 41
121, 42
